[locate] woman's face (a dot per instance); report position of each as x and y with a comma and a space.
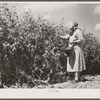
71, 31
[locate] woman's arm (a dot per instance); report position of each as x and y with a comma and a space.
64, 37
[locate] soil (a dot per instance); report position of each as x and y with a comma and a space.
90, 82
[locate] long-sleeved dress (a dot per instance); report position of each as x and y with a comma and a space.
76, 61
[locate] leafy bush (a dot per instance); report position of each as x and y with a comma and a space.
92, 53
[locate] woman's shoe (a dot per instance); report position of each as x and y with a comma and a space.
77, 81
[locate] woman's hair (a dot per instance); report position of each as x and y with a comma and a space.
75, 23
72, 24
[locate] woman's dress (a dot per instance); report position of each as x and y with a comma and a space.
76, 60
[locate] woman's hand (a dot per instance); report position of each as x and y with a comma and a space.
78, 41
73, 42
57, 35
60, 36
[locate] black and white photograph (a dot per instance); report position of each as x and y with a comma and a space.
49, 45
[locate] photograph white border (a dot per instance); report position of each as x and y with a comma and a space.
45, 93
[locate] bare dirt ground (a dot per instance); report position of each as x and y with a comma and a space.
92, 82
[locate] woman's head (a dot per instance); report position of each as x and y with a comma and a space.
71, 25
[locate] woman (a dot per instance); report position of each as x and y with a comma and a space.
75, 61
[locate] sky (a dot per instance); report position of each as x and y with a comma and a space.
86, 14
